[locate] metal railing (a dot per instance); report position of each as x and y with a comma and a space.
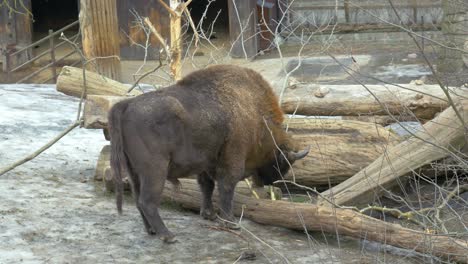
50, 51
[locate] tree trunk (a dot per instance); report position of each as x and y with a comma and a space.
439, 138
100, 36
355, 100
329, 100
70, 82
346, 222
176, 38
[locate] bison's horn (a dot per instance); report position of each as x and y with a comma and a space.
298, 155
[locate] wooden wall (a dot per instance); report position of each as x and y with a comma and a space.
15, 31
242, 28
145, 8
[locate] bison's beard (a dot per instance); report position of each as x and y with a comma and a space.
273, 171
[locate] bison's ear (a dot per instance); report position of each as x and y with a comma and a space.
293, 156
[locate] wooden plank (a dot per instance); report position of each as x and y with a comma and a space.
242, 28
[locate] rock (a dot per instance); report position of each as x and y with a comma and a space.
412, 56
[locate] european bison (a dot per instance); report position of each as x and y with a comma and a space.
222, 123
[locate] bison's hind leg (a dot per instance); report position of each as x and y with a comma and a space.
135, 183
152, 180
206, 186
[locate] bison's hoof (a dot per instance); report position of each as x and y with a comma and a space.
168, 238
151, 231
208, 214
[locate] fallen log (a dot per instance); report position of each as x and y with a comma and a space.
70, 82
383, 120
333, 220
420, 102
339, 148
438, 139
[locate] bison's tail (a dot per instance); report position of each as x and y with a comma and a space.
118, 161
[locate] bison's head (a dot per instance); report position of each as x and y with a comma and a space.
277, 168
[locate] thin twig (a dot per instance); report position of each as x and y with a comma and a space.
39, 151
146, 74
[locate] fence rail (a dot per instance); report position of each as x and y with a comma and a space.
50, 51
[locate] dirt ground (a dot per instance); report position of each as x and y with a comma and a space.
52, 211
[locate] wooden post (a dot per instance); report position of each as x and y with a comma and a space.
100, 36
52, 55
242, 28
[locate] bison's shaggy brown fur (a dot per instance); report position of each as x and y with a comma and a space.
222, 123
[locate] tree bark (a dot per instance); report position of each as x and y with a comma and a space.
355, 100
332, 220
100, 36
383, 120
439, 138
70, 82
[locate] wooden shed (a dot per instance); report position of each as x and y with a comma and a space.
19, 29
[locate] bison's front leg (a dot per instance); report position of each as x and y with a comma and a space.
226, 185
206, 186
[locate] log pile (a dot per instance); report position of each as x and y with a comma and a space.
339, 148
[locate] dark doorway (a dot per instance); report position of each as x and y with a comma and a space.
53, 14
197, 9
